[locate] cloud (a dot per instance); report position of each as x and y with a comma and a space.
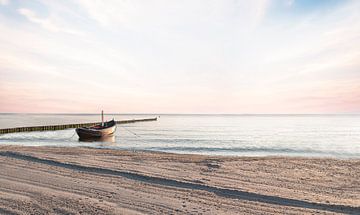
289, 3
46, 23
208, 56
162, 13
4, 2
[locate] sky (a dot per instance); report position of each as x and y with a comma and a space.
181, 56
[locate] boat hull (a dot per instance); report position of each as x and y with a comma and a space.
95, 132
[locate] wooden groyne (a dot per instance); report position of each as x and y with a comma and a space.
62, 127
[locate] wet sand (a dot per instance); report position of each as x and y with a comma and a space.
47, 180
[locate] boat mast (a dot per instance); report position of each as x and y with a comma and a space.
102, 118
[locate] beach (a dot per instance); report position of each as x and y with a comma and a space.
79, 180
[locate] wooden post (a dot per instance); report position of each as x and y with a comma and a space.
102, 118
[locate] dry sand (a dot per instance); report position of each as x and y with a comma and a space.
48, 180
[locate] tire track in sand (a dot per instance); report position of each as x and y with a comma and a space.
224, 192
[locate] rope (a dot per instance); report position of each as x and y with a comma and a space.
72, 136
141, 140
138, 136
130, 131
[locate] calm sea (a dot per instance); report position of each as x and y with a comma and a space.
250, 135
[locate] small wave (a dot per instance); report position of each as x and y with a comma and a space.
268, 150
63, 135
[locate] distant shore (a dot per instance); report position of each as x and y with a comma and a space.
42, 180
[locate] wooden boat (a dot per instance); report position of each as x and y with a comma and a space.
105, 129
97, 131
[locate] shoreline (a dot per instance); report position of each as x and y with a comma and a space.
310, 155
104, 181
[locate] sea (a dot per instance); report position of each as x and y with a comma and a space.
236, 135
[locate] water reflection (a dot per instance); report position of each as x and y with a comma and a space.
107, 139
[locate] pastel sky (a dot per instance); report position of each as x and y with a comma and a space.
185, 56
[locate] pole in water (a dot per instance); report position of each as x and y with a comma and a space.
102, 118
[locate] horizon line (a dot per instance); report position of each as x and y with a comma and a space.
60, 113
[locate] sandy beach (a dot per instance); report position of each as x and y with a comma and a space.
47, 180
